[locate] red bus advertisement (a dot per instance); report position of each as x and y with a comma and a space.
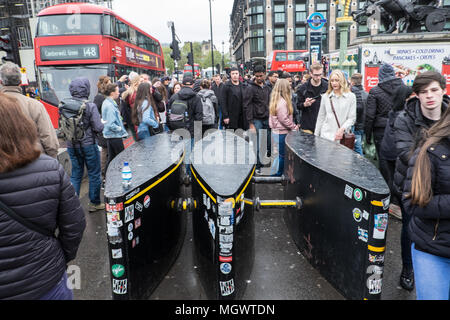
80, 39
292, 61
188, 68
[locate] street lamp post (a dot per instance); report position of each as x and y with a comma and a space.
344, 23
212, 43
223, 55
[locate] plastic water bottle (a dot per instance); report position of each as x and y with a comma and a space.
126, 176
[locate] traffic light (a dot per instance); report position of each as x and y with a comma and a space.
190, 59
7, 46
175, 55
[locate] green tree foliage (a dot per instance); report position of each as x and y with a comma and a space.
203, 60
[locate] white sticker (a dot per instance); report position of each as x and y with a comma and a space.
380, 225
226, 287
386, 202
226, 208
147, 201
225, 230
226, 237
225, 247
130, 227
129, 213
116, 253
348, 191
138, 206
225, 267
130, 236
119, 286
374, 281
363, 234
365, 215
225, 221
212, 228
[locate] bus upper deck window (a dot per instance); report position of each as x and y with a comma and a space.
281, 56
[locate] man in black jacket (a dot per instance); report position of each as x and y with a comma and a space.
232, 99
379, 103
256, 109
420, 113
309, 97
217, 87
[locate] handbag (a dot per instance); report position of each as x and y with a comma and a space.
348, 139
25, 222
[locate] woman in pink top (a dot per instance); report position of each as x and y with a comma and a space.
280, 121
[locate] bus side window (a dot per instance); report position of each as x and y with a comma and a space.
281, 56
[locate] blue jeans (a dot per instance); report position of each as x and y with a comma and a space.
259, 125
60, 291
89, 156
432, 275
358, 141
278, 146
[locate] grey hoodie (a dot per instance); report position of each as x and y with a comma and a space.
80, 89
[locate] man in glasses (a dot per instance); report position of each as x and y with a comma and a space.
309, 96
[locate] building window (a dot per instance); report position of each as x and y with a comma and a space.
300, 13
24, 37
279, 41
300, 38
257, 19
279, 13
323, 9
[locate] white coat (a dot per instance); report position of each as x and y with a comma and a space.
345, 107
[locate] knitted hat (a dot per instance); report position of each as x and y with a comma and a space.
386, 73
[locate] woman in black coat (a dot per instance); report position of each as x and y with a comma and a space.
426, 198
36, 198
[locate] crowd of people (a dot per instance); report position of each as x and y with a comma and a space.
409, 127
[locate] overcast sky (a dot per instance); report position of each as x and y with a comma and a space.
191, 18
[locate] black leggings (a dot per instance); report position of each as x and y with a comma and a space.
115, 146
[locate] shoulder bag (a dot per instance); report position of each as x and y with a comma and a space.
348, 139
25, 222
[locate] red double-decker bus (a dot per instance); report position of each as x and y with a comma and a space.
188, 69
80, 39
292, 61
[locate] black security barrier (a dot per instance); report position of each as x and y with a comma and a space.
222, 167
341, 227
144, 224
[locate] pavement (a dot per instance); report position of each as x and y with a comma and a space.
280, 272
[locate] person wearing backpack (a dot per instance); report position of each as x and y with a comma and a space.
184, 108
210, 106
361, 103
79, 124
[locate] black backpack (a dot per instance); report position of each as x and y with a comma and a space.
177, 115
71, 126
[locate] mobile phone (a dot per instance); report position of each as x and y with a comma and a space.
315, 97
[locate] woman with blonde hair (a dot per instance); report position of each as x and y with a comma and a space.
337, 113
281, 121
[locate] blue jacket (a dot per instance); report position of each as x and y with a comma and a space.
80, 90
113, 122
148, 120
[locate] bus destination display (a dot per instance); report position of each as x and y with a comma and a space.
70, 52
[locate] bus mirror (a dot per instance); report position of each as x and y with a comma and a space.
306, 59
